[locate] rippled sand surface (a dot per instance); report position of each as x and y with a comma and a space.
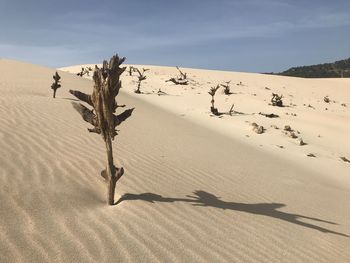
189, 193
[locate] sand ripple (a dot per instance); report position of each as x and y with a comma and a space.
188, 194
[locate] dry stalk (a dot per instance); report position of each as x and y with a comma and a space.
103, 118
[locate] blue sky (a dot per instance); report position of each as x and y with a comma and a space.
250, 35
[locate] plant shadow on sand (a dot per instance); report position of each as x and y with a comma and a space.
202, 198
70, 99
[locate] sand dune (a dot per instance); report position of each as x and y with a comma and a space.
323, 126
195, 188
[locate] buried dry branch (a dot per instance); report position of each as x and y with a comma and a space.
276, 100
102, 117
179, 80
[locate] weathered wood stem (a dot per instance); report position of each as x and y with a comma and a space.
111, 178
103, 117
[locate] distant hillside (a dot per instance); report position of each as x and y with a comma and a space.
336, 69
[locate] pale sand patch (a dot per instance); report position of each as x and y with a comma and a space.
190, 194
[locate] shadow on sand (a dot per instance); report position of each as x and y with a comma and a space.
70, 99
202, 198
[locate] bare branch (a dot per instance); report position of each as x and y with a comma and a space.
183, 75
178, 81
95, 130
87, 114
116, 106
231, 109
118, 119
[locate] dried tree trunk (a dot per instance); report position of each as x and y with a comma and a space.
54, 93
113, 173
111, 178
103, 118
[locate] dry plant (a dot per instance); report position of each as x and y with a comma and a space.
276, 100
290, 132
84, 71
226, 87
269, 115
141, 77
179, 80
182, 75
56, 85
212, 94
131, 70
214, 110
102, 117
259, 129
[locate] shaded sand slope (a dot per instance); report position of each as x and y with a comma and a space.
189, 194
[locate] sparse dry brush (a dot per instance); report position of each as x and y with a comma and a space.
214, 110
102, 117
84, 71
56, 85
141, 77
276, 100
179, 80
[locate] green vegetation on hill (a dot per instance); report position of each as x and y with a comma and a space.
336, 69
